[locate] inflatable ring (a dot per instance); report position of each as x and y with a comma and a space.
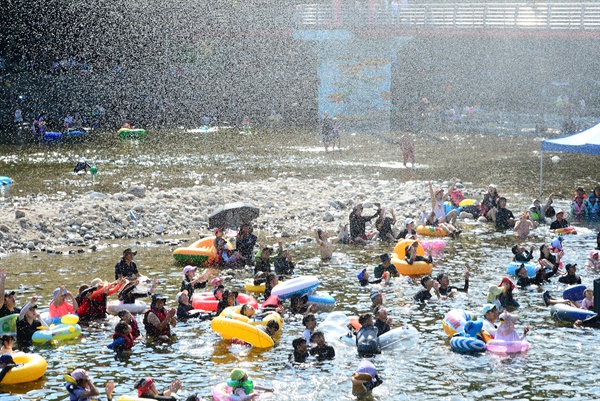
221, 392
201, 252
467, 344
455, 320
250, 287
566, 230
569, 313
432, 231
56, 333
513, 266
206, 301
231, 328
574, 293
322, 299
33, 366
117, 306
417, 268
8, 324
507, 347
299, 285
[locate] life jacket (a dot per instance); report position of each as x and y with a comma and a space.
135, 330
579, 210
367, 341
593, 205
128, 340
153, 331
98, 308
247, 385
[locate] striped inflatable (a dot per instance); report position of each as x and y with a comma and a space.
466, 344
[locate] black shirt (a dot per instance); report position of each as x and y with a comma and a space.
383, 327
570, 279
4, 311
186, 284
122, 269
503, 215
422, 296
448, 290
559, 224
323, 353
299, 358
25, 331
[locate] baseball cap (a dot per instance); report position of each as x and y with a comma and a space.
188, 269
179, 294
129, 250
9, 293
158, 296
487, 307
559, 211
79, 374
408, 221
361, 275
215, 282
237, 374
384, 257
6, 358
570, 265
375, 294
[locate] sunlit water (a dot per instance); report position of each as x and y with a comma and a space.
560, 365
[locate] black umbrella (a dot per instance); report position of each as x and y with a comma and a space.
232, 215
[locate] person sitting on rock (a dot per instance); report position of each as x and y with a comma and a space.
263, 258
245, 242
503, 218
384, 225
358, 223
437, 204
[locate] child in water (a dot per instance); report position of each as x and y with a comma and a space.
364, 379
325, 244
243, 387
506, 331
123, 340
588, 300
524, 226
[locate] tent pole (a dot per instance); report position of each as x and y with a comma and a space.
541, 170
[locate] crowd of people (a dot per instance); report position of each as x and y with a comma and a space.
272, 263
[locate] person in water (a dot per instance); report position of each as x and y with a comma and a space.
59, 305
190, 282
92, 300
506, 297
245, 242
367, 339
147, 389
325, 244
409, 230
503, 218
28, 323
385, 266
560, 221
384, 225
7, 298
81, 387
158, 320
242, 388
299, 305
358, 223
127, 294
8, 341
548, 260
411, 254
538, 212
425, 294
310, 323
382, 321
322, 351
127, 317
123, 340
184, 307
300, 353
588, 299
7, 363
571, 277
506, 330
524, 225
364, 380
363, 278
522, 255
446, 289
284, 266
490, 316
126, 267
263, 258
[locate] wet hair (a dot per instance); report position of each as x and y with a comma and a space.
440, 276
7, 337
298, 342
515, 249
316, 333
273, 325
425, 279
362, 319
123, 313
121, 327
308, 318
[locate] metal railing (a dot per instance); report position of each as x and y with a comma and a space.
582, 16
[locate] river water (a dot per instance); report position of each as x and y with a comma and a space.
560, 365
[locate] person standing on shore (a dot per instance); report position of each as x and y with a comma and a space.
326, 129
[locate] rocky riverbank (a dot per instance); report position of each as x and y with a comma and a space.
290, 207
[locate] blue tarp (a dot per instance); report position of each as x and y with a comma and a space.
587, 142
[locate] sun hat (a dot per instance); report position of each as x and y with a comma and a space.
179, 294
56, 291
215, 282
129, 250
506, 280
237, 374
493, 292
143, 385
156, 297
96, 281
79, 374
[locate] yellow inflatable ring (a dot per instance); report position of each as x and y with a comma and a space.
399, 261
33, 366
249, 286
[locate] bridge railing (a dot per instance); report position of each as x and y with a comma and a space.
513, 16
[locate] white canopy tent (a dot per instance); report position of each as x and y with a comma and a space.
587, 142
